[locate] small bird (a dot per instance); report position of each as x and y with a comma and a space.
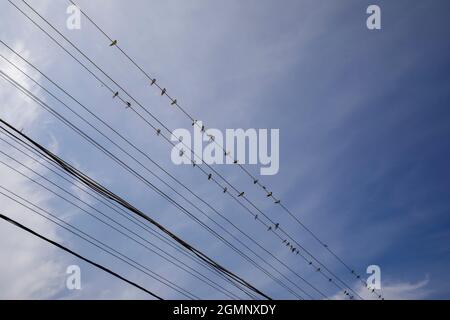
174, 102
116, 94
269, 194
225, 190
270, 228
163, 91
209, 176
194, 122
193, 163
293, 249
276, 226
226, 153
241, 194
284, 241
297, 252
255, 181
153, 81
318, 269
235, 161
113, 43
181, 152
211, 137
310, 263
158, 132
256, 217
203, 129
128, 104
277, 201
330, 279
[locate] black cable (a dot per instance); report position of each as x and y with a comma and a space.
159, 122
129, 106
99, 266
160, 167
120, 162
183, 266
92, 184
112, 206
253, 178
117, 254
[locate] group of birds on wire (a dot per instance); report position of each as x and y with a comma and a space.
214, 176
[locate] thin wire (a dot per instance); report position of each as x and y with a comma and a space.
120, 162
183, 266
92, 184
112, 206
253, 178
99, 266
61, 223
164, 170
129, 106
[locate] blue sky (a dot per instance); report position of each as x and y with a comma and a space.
363, 121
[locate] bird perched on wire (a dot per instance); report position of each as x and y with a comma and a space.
241, 194
113, 43
163, 91
153, 81
115, 94
174, 102
269, 194
209, 176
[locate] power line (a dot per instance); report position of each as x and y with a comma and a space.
115, 208
93, 142
99, 266
93, 185
319, 269
180, 265
164, 170
252, 177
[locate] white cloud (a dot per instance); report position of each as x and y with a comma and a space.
394, 290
